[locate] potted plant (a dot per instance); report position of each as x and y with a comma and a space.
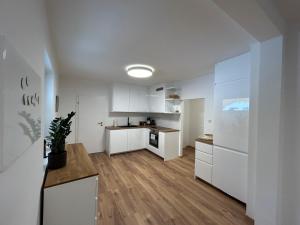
60, 128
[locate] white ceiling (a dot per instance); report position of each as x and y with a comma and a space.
290, 9
181, 39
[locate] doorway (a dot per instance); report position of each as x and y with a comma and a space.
90, 122
193, 124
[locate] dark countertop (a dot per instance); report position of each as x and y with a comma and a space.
206, 141
157, 128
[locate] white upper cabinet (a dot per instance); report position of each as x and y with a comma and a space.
129, 98
120, 98
157, 99
138, 100
133, 98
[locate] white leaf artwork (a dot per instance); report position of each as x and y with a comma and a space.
20, 105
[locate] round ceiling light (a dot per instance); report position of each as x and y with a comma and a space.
139, 71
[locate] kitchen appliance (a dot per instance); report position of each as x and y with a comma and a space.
231, 125
154, 138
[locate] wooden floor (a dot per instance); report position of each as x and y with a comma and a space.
140, 188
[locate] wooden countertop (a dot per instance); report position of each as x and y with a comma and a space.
79, 166
206, 141
158, 128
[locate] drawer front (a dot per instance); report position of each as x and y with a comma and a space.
204, 157
203, 170
204, 147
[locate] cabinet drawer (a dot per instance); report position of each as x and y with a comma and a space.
203, 170
204, 147
204, 157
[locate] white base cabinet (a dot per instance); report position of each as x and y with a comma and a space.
118, 141
223, 168
230, 172
169, 145
125, 140
73, 203
203, 170
203, 161
136, 139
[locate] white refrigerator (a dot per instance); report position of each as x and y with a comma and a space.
231, 122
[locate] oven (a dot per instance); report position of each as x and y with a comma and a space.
154, 138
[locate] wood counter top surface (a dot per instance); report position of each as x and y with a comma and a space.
158, 128
206, 141
79, 166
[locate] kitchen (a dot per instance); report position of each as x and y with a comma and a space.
148, 112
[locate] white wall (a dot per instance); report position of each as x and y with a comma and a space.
70, 88
201, 87
264, 148
50, 90
25, 26
290, 131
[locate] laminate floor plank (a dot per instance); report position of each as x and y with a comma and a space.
139, 188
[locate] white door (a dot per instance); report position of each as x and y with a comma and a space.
91, 116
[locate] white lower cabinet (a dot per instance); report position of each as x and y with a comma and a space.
73, 203
136, 139
223, 168
124, 140
117, 141
203, 170
230, 172
168, 145
203, 161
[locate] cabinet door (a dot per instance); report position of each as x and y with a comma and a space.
230, 172
157, 99
203, 170
136, 139
120, 98
138, 99
118, 141
231, 114
73, 203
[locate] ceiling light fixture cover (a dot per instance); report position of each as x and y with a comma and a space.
139, 71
